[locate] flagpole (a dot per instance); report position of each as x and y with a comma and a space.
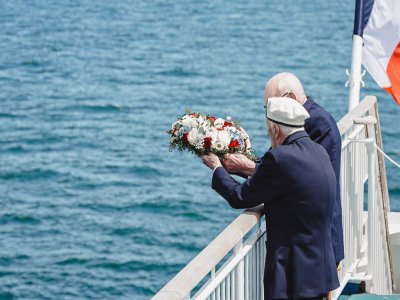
355, 77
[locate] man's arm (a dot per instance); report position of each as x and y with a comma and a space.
320, 131
265, 185
239, 164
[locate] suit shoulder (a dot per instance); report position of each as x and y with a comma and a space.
271, 156
321, 118
319, 113
278, 155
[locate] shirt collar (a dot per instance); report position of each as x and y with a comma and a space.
308, 103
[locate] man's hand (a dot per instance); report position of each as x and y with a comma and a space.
239, 163
211, 160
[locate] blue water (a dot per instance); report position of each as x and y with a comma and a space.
93, 206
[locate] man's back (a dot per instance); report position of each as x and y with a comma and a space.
309, 184
322, 129
296, 183
302, 216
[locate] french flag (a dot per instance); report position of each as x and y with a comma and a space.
378, 23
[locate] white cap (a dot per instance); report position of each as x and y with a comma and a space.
286, 111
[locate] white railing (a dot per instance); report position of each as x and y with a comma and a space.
353, 174
242, 243
240, 277
367, 255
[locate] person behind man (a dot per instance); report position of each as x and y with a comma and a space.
321, 127
296, 182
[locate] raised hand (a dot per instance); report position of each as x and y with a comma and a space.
239, 163
211, 160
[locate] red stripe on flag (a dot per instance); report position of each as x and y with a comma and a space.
393, 72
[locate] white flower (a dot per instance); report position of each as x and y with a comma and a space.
206, 125
211, 133
224, 137
222, 140
194, 136
200, 120
188, 121
218, 146
219, 123
228, 118
248, 143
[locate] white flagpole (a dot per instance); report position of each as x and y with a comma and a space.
355, 76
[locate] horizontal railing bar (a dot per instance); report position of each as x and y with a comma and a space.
360, 110
352, 135
188, 278
228, 267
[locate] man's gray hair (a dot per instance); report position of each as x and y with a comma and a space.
285, 130
287, 82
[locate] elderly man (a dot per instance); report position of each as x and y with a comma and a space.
321, 127
297, 185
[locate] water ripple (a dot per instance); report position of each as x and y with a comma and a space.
21, 219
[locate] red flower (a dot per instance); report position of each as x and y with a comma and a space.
211, 118
234, 144
185, 138
207, 143
226, 124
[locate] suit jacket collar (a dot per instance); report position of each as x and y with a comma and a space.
308, 103
294, 137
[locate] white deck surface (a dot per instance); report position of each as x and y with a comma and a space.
394, 231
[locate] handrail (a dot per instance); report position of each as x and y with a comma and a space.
347, 121
188, 278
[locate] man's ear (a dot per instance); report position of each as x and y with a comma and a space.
292, 95
276, 130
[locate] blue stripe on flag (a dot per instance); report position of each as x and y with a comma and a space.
361, 16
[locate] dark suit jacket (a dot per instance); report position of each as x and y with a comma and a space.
322, 128
297, 185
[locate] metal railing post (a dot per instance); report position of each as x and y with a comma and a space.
212, 277
239, 282
372, 222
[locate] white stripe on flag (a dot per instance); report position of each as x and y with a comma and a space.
381, 36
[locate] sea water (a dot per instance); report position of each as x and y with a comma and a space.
93, 206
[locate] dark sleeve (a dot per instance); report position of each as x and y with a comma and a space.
320, 131
266, 185
326, 140
239, 174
